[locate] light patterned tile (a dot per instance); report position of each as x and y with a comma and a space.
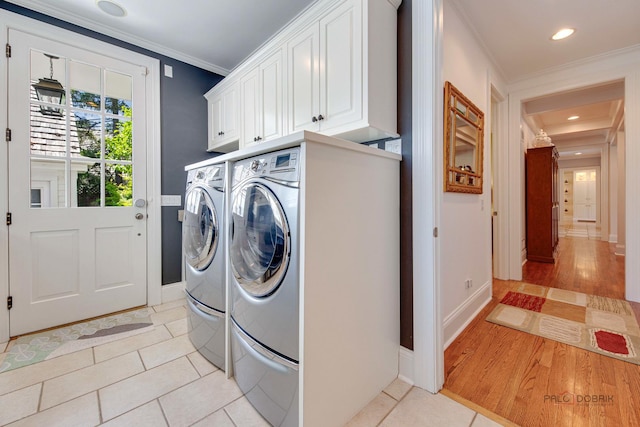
217, 419
178, 327
374, 412
127, 345
149, 415
397, 389
165, 351
42, 371
19, 404
91, 378
169, 305
482, 421
423, 409
168, 316
121, 397
244, 415
79, 412
202, 365
197, 400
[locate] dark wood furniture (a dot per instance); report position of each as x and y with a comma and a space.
542, 203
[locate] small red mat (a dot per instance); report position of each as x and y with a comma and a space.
527, 302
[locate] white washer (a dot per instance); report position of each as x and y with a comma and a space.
264, 262
203, 244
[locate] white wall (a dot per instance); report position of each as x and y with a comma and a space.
613, 194
465, 228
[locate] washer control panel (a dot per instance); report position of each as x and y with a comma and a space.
281, 165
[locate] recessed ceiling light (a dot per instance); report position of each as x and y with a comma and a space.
573, 118
563, 33
111, 8
578, 153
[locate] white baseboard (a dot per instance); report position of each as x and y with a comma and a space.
613, 238
405, 365
172, 291
455, 323
620, 250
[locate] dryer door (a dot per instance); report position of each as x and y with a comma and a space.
259, 240
199, 228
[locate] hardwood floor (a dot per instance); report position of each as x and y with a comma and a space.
534, 381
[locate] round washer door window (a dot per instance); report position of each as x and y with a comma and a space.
199, 228
260, 240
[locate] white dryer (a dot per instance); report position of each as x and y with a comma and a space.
203, 246
264, 261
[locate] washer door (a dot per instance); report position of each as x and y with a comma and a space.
199, 228
259, 249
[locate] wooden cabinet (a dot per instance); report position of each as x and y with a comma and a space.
332, 70
223, 107
261, 92
542, 203
325, 69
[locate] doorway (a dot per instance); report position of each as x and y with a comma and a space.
61, 241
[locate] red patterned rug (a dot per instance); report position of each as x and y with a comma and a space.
603, 325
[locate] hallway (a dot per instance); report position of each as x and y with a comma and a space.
519, 376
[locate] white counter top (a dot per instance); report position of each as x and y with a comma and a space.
294, 140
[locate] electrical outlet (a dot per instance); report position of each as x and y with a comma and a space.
468, 283
394, 146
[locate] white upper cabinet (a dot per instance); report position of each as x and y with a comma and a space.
224, 110
332, 71
325, 69
262, 93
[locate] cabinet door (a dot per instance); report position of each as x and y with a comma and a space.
341, 77
230, 113
304, 86
215, 117
271, 93
250, 115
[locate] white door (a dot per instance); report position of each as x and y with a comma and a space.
77, 190
584, 198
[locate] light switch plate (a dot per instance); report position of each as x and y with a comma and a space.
171, 200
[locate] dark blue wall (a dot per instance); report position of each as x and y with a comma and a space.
406, 205
183, 112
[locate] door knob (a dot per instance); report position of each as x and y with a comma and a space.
139, 216
139, 203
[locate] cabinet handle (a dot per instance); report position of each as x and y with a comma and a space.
314, 119
320, 117
258, 138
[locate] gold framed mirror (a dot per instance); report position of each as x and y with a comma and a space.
463, 142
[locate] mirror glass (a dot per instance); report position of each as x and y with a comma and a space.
464, 134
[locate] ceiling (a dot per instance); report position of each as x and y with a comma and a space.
213, 35
217, 36
517, 36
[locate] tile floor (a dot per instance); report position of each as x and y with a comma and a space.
588, 230
158, 379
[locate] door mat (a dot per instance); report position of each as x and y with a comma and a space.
603, 325
46, 345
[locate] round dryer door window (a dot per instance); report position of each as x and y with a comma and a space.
199, 228
259, 241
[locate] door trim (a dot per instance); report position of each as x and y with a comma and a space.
151, 67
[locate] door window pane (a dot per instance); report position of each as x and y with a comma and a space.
86, 86
118, 139
117, 93
48, 175
118, 185
89, 130
88, 184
